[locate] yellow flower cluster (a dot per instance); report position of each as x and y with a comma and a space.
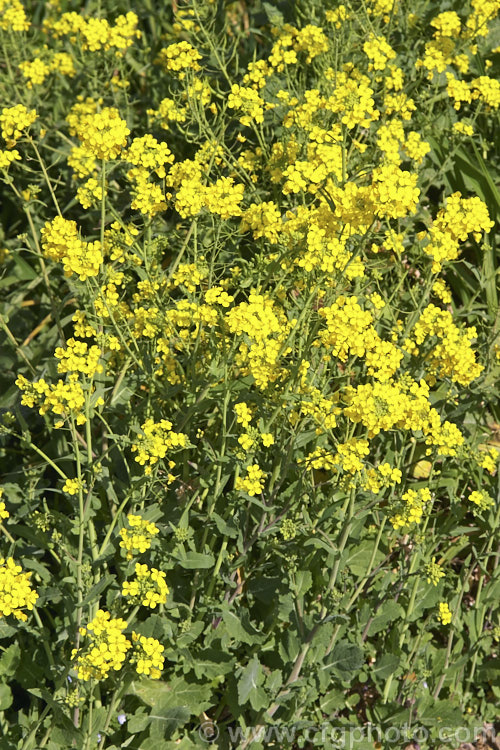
264, 219
311, 40
481, 499
16, 593
337, 16
265, 326
411, 510
60, 241
352, 98
13, 16
483, 11
36, 71
382, 8
249, 102
139, 539
106, 650
438, 54
243, 414
447, 24
453, 224
395, 191
354, 206
4, 513
444, 615
383, 475
441, 290
223, 197
488, 461
217, 296
96, 33
349, 459
72, 486
148, 588
78, 357
378, 406
102, 134
350, 331
13, 120
189, 275
149, 158
179, 57
379, 51
458, 90
168, 111
62, 62
157, 438
81, 162
486, 90
64, 399
399, 104
323, 410
148, 154
90, 193
8, 157
453, 355
147, 656
415, 147
253, 482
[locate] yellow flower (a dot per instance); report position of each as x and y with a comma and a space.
16, 593
444, 615
71, 486
102, 134
253, 483
147, 655
106, 650
138, 539
148, 588
13, 120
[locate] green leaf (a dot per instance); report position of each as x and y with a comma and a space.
195, 560
97, 590
303, 582
441, 713
5, 697
264, 589
248, 685
138, 722
24, 271
240, 630
275, 16
346, 660
211, 663
388, 613
9, 660
332, 701
223, 527
385, 666
164, 720
359, 558
194, 697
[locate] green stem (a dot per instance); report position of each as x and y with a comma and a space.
16, 346
45, 174
45, 646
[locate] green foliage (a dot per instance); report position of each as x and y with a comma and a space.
249, 338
